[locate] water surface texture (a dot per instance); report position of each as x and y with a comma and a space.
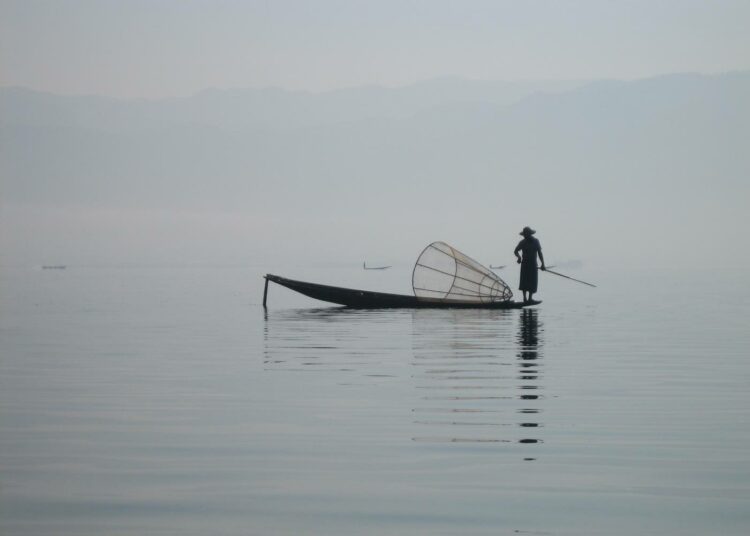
164, 400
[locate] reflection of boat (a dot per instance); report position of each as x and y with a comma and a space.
442, 277
54, 267
364, 265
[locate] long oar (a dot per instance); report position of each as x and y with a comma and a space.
568, 277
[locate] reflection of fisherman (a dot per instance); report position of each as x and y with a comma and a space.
528, 333
529, 275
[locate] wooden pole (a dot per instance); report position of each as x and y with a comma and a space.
568, 277
265, 293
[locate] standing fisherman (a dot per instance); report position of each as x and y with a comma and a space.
529, 275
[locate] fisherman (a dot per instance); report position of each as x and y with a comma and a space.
529, 275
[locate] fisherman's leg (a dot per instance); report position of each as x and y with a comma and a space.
531, 296
524, 296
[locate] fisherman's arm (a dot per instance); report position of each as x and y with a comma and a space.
518, 248
541, 258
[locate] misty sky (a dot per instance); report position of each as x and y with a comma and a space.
177, 47
373, 173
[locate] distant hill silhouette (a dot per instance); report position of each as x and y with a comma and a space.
643, 170
446, 138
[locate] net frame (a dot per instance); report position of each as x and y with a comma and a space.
461, 278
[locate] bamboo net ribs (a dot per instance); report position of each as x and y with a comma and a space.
442, 273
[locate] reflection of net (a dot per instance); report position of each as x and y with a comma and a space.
445, 274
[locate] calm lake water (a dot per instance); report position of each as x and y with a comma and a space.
164, 400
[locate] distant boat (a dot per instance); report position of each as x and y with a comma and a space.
504, 265
364, 265
54, 267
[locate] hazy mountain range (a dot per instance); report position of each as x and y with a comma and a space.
448, 154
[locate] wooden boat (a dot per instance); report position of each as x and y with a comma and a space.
364, 299
442, 277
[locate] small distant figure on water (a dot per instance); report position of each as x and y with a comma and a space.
530, 247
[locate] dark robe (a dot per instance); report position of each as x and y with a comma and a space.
530, 247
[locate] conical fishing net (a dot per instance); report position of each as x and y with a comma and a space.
443, 273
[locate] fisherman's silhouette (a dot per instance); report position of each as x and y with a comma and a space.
530, 247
